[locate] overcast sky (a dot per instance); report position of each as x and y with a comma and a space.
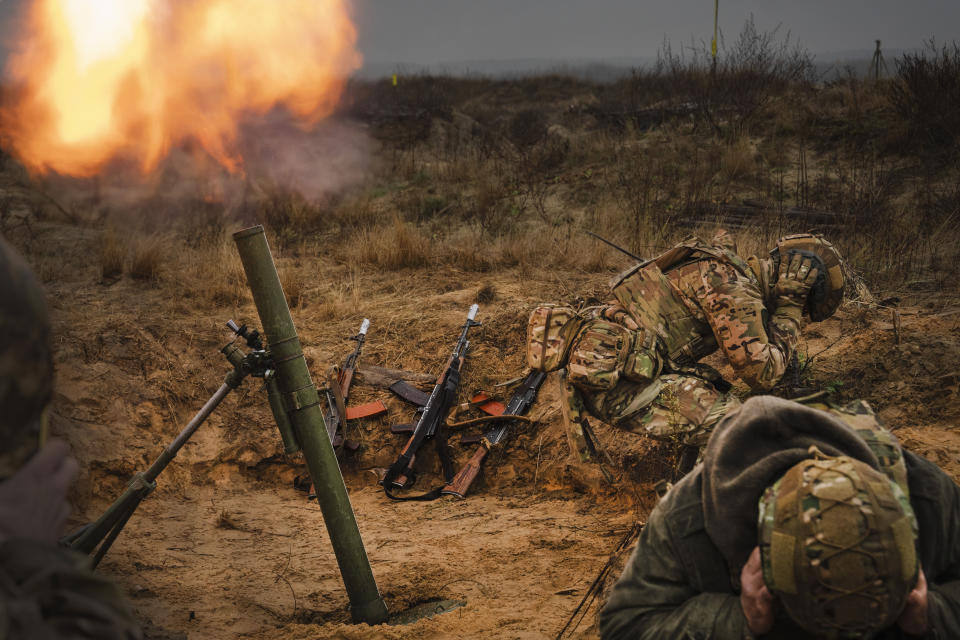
440, 31
437, 31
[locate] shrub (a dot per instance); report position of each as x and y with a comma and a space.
926, 95
527, 128
748, 76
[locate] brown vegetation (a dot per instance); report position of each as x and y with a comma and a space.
481, 174
481, 192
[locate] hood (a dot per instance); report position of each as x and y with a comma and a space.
749, 450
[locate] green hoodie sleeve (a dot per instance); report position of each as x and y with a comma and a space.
936, 502
656, 597
50, 593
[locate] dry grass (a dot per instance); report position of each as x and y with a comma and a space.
482, 190
737, 161
112, 255
147, 257
399, 246
293, 285
211, 274
492, 175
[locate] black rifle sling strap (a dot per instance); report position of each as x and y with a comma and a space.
443, 452
703, 371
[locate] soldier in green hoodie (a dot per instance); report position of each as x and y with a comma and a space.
46, 592
802, 522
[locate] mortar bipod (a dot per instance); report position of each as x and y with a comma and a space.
104, 530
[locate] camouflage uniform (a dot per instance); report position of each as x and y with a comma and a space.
691, 301
46, 592
682, 580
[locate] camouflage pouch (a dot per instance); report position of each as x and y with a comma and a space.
550, 332
643, 363
599, 355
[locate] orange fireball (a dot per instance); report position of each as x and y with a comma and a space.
90, 81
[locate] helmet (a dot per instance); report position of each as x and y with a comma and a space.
827, 293
26, 364
837, 546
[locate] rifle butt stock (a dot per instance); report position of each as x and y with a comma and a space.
345, 380
468, 473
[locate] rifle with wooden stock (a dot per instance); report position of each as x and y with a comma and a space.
338, 391
431, 422
518, 405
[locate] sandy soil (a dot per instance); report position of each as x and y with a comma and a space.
227, 548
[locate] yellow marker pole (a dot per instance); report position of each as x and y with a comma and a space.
713, 45
394, 79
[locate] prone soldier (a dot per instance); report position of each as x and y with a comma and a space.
635, 363
46, 592
802, 521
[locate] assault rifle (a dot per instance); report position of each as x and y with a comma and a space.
338, 391
430, 424
519, 403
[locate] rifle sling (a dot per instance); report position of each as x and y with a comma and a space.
483, 419
400, 467
433, 494
443, 452
703, 371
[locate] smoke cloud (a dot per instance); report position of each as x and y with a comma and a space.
280, 157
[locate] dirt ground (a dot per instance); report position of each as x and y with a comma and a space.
226, 547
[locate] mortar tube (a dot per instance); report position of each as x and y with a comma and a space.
275, 399
302, 402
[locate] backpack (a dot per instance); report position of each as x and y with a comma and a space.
550, 332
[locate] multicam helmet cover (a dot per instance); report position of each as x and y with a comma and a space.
26, 365
827, 294
837, 546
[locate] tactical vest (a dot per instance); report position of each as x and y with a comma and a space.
654, 302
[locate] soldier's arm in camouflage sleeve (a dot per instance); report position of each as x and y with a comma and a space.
758, 345
654, 598
615, 312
